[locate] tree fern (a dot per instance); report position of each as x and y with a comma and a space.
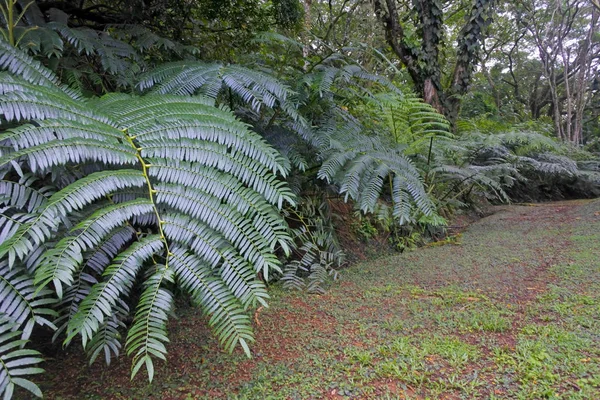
510, 164
157, 191
410, 120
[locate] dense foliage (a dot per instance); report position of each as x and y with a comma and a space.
140, 165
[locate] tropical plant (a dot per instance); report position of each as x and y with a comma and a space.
362, 162
15, 361
317, 254
105, 199
364, 166
531, 166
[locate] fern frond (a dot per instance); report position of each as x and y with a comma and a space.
95, 261
40, 41
181, 77
556, 164
20, 303
524, 142
229, 189
23, 65
213, 249
22, 195
76, 150
107, 339
119, 278
216, 156
227, 318
73, 197
149, 330
131, 113
49, 103
15, 361
59, 264
48, 130
473, 174
320, 253
253, 87
221, 217
115, 56
369, 168
191, 118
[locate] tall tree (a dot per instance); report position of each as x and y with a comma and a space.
562, 33
416, 36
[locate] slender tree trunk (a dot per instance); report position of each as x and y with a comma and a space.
556, 105
584, 73
306, 31
493, 87
565, 58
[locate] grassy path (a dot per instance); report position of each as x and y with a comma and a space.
511, 312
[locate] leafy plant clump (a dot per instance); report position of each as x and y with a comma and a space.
111, 205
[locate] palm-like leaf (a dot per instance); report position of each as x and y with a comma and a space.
211, 79
363, 165
19, 302
162, 190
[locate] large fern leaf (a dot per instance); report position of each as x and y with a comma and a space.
157, 190
211, 79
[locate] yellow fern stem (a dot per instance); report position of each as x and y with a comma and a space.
151, 192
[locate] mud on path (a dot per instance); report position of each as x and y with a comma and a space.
513, 311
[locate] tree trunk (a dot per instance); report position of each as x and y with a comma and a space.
584, 73
305, 32
422, 63
493, 88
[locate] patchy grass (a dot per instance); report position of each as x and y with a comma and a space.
513, 311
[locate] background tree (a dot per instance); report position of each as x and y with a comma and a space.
541, 62
416, 35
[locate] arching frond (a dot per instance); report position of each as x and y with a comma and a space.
20, 105
158, 190
363, 166
95, 262
23, 195
20, 303
228, 319
23, 65
116, 56
253, 87
212, 248
108, 338
119, 278
58, 265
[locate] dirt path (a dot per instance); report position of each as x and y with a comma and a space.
511, 312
